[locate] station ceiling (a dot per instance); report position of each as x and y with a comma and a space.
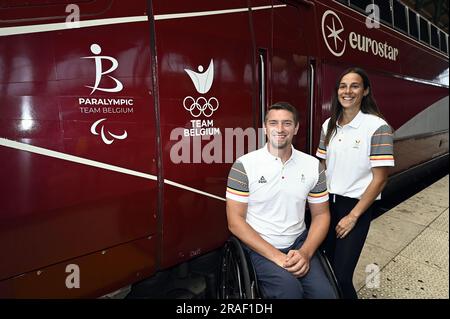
435, 11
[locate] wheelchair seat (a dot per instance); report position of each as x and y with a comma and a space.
238, 279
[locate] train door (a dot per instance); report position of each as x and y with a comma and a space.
205, 79
283, 43
290, 78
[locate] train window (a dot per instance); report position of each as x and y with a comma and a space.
385, 10
447, 44
360, 4
343, 1
400, 21
434, 32
424, 30
413, 26
443, 37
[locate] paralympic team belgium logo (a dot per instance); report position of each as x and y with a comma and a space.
202, 81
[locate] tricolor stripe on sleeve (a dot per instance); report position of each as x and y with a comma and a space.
237, 185
381, 157
319, 193
382, 147
236, 192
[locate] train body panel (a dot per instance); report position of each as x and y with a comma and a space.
117, 134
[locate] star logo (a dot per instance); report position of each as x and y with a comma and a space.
332, 28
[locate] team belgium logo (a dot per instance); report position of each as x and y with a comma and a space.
202, 81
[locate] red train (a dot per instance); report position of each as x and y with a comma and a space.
118, 126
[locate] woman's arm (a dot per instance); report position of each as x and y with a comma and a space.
380, 177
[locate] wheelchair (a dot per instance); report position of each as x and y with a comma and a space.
238, 279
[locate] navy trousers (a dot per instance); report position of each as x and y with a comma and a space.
276, 282
343, 254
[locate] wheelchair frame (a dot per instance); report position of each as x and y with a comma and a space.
238, 279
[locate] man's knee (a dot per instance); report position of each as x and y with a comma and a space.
283, 286
321, 291
316, 283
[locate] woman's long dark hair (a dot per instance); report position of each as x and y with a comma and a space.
368, 104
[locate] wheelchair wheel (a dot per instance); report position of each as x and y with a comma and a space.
234, 278
329, 273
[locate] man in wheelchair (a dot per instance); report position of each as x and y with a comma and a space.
266, 195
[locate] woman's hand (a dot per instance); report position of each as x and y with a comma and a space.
345, 225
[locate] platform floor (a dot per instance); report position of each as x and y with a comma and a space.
406, 253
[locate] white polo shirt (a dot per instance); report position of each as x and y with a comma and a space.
365, 142
276, 193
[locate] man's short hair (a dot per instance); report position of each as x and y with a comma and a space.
283, 106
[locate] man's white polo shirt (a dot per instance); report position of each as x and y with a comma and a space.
365, 142
276, 193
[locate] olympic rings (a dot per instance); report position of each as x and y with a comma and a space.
200, 106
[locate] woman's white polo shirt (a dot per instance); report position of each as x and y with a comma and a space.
357, 147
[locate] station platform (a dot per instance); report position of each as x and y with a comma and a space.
406, 254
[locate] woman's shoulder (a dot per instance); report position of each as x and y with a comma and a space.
375, 120
375, 123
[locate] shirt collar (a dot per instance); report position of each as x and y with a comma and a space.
272, 157
356, 122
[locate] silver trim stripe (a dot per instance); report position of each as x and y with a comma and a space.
417, 80
80, 160
35, 28
214, 12
169, 182
72, 158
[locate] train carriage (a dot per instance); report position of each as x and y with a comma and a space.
119, 122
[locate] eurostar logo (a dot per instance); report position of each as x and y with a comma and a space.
332, 28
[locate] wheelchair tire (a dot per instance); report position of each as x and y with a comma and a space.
329, 273
234, 277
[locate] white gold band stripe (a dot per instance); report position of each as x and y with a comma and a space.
35, 28
80, 160
72, 158
214, 12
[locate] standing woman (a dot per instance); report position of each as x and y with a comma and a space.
357, 146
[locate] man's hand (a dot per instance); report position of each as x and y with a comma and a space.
297, 263
280, 259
